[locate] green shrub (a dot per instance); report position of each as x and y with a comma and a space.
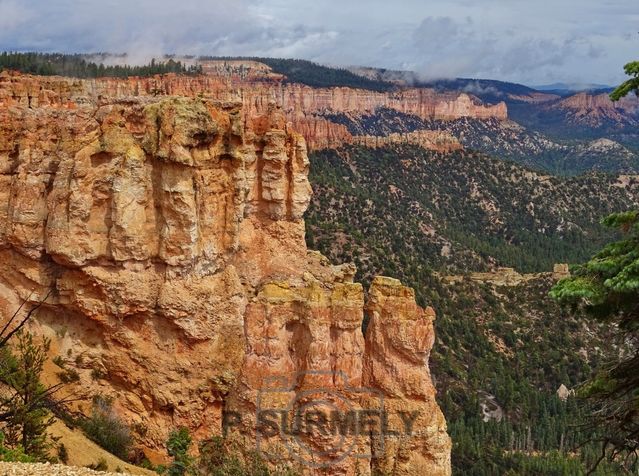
216, 460
97, 374
106, 429
63, 454
101, 465
69, 376
59, 361
177, 446
16, 455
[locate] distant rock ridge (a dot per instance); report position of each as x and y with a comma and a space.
302, 105
432, 140
508, 276
595, 110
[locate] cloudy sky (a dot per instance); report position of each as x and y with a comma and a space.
528, 41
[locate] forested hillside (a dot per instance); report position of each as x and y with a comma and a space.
503, 352
313, 74
506, 140
87, 66
420, 216
406, 210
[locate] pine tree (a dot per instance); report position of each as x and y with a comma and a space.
177, 446
24, 404
629, 86
607, 287
28, 417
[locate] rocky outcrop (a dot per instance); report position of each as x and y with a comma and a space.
432, 140
596, 110
298, 100
399, 338
563, 392
169, 231
239, 70
509, 276
320, 133
55, 91
560, 271
325, 134
306, 107
498, 277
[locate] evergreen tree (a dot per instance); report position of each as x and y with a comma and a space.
82, 66
629, 86
607, 287
28, 417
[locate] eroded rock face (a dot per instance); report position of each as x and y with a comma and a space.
399, 338
595, 110
170, 232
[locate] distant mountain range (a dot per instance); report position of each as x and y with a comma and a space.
563, 128
571, 88
557, 130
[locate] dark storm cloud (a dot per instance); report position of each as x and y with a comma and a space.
519, 40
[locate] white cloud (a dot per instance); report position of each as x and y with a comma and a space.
13, 15
518, 40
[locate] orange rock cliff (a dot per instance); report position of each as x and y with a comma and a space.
169, 229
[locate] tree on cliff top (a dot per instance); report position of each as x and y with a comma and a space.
83, 66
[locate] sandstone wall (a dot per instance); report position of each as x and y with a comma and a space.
169, 230
596, 110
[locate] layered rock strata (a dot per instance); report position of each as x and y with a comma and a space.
303, 106
596, 110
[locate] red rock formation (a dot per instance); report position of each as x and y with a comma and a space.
594, 110
321, 133
534, 97
239, 70
325, 134
398, 341
303, 102
170, 231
